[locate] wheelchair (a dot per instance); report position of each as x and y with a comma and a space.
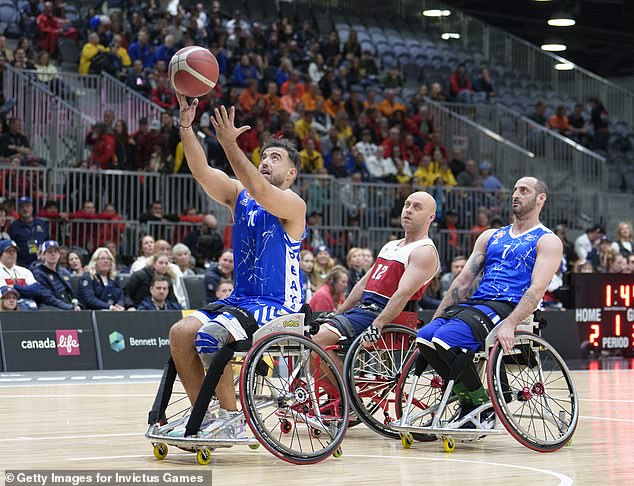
291, 395
531, 391
372, 372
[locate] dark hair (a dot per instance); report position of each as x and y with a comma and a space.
286, 144
160, 278
541, 187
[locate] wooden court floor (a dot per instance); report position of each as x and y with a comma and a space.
82, 421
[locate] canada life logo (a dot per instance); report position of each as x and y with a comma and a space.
67, 342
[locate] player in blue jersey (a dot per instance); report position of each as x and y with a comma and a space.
269, 225
519, 261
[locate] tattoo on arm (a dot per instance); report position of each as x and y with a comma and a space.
477, 264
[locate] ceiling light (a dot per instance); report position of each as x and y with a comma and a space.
564, 66
436, 13
553, 47
450, 35
561, 19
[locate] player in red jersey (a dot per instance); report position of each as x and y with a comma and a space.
390, 291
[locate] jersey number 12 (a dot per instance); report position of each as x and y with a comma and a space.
380, 270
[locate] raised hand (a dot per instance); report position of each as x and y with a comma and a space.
187, 111
224, 123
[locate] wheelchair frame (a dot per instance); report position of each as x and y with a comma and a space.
426, 411
310, 411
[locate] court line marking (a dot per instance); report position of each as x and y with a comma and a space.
79, 395
563, 479
93, 436
608, 400
609, 419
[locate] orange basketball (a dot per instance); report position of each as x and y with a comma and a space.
193, 71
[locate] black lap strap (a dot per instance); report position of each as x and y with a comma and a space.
245, 318
478, 321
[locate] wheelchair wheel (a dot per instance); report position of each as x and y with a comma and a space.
372, 371
533, 393
426, 397
298, 412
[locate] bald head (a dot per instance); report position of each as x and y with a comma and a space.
418, 212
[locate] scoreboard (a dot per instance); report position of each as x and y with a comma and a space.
604, 310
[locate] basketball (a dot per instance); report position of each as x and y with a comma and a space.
193, 71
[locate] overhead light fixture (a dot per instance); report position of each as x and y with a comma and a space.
436, 13
553, 47
561, 19
564, 66
450, 35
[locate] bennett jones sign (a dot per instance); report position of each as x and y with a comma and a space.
134, 340
42, 341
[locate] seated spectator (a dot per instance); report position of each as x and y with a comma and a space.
602, 255
334, 104
482, 86
457, 264
322, 266
403, 169
21, 61
304, 124
98, 288
426, 174
223, 269
157, 300
103, 147
50, 28
4, 224
138, 79
312, 161
166, 51
16, 276
27, 232
54, 279
389, 105
8, 299
539, 114
338, 164
14, 142
155, 213
381, 167
317, 68
290, 100
146, 250
332, 293
138, 287
469, 177
271, 99
437, 93
354, 263
578, 125
460, 87
482, 224
433, 143
120, 53
224, 289
559, 122
311, 96
141, 50
182, 257
589, 240
244, 71
623, 242
163, 95
75, 265
89, 51
601, 124
488, 181
306, 265
445, 173
212, 245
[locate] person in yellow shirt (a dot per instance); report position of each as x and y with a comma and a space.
90, 50
302, 126
344, 130
312, 161
446, 174
121, 52
311, 97
426, 174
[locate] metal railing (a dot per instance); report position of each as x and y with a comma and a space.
56, 130
530, 63
565, 163
94, 94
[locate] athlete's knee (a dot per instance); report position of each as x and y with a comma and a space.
182, 333
427, 332
210, 339
325, 337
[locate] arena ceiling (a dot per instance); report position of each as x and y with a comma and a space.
602, 39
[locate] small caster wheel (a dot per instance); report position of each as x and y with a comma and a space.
286, 426
203, 456
449, 444
338, 452
160, 451
254, 447
407, 440
315, 433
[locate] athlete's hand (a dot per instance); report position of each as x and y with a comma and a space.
506, 335
371, 334
224, 123
187, 111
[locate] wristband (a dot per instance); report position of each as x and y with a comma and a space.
185, 128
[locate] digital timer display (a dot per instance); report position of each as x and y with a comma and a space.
603, 309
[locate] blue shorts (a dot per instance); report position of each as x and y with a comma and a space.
351, 323
454, 332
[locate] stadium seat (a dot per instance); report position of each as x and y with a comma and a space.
195, 287
68, 54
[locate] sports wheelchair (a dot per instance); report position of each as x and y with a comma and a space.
372, 371
530, 387
296, 409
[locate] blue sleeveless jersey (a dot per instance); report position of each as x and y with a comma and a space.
509, 264
266, 272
